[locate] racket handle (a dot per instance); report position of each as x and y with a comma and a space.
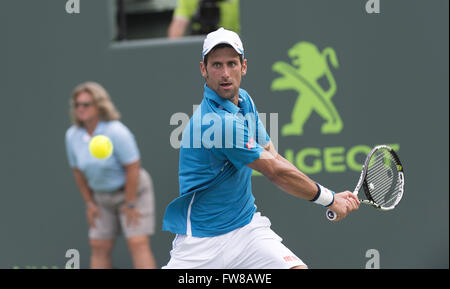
331, 215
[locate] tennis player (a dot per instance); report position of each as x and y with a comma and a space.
215, 218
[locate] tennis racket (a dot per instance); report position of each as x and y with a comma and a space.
381, 178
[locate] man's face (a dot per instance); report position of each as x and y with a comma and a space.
224, 72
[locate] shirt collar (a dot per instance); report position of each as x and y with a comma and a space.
99, 129
225, 103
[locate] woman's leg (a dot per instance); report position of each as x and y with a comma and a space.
141, 253
101, 253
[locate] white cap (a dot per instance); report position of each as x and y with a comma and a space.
220, 36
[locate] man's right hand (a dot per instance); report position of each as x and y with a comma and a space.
92, 211
343, 204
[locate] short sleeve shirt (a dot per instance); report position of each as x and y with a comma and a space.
215, 183
102, 175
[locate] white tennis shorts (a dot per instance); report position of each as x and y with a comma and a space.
254, 246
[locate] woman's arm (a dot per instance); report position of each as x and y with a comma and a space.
131, 190
92, 210
131, 181
81, 182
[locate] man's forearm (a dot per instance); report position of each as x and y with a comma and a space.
177, 27
293, 181
290, 179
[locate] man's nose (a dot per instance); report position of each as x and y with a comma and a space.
225, 72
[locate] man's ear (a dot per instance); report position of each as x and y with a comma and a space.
203, 69
244, 67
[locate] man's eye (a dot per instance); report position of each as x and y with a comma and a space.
216, 65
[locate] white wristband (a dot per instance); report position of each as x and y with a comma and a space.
324, 197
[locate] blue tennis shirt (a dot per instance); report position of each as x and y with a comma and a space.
103, 175
215, 184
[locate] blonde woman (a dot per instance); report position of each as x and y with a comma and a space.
117, 191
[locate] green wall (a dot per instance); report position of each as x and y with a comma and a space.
391, 86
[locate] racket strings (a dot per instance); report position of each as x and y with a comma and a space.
382, 179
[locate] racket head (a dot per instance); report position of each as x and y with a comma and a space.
383, 181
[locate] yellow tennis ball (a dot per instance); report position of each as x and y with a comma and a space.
100, 146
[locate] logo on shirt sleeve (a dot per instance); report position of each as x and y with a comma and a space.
250, 144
